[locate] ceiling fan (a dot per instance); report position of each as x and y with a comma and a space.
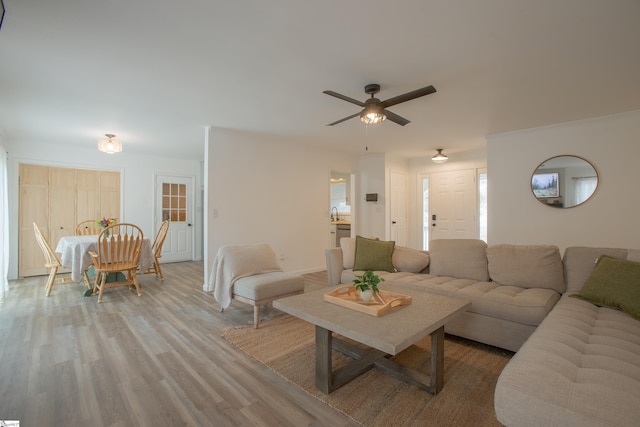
374, 110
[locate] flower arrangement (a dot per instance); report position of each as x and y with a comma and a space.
105, 222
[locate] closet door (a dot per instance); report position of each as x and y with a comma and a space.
62, 204
110, 195
33, 207
57, 199
87, 195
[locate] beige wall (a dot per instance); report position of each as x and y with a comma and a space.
609, 219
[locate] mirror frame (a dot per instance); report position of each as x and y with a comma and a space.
561, 183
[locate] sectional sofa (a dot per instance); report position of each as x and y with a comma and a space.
577, 364
511, 288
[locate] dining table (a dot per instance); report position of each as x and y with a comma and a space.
74, 255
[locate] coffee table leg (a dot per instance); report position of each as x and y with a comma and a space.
437, 360
323, 359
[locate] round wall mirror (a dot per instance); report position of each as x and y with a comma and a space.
564, 181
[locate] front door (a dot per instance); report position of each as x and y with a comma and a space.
452, 205
174, 202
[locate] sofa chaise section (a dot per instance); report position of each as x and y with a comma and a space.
581, 367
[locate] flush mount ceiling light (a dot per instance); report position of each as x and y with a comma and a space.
440, 157
109, 145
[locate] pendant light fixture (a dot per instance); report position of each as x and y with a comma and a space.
109, 145
440, 157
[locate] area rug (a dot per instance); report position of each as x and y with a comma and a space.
286, 345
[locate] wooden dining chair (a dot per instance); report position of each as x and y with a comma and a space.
157, 249
118, 251
52, 262
88, 227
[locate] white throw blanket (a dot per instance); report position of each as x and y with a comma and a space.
235, 262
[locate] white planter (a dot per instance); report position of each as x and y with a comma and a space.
366, 295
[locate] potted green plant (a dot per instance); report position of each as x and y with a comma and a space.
367, 284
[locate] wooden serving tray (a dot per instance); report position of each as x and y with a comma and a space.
379, 305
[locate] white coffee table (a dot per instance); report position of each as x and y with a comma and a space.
386, 335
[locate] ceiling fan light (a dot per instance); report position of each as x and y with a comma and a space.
109, 145
440, 157
372, 117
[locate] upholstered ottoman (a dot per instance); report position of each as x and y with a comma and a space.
261, 289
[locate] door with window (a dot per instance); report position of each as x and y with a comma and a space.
174, 202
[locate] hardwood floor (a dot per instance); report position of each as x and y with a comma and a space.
154, 360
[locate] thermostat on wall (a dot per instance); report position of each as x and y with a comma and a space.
372, 197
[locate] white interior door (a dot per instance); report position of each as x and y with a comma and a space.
175, 202
398, 207
452, 203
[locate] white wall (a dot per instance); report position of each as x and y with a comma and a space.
371, 179
263, 189
609, 219
137, 183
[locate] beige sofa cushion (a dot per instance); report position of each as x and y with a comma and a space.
579, 368
348, 245
268, 285
527, 306
526, 266
579, 263
409, 260
633, 255
461, 258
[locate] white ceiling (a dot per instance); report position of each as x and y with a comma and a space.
156, 73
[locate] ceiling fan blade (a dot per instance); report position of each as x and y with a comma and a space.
408, 96
344, 98
396, 118
345, 119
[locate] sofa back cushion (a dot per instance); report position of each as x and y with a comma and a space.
409, 260
614, 283
404, 259
579, 263
348, 245
460, 258
526, 266
374, 255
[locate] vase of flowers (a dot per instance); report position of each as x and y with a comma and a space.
104, 223
367, 284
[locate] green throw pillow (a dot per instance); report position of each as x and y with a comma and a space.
614, 283
373, 255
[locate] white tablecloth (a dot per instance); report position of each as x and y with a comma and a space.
75, 250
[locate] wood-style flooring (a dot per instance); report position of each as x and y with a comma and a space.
155, 360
